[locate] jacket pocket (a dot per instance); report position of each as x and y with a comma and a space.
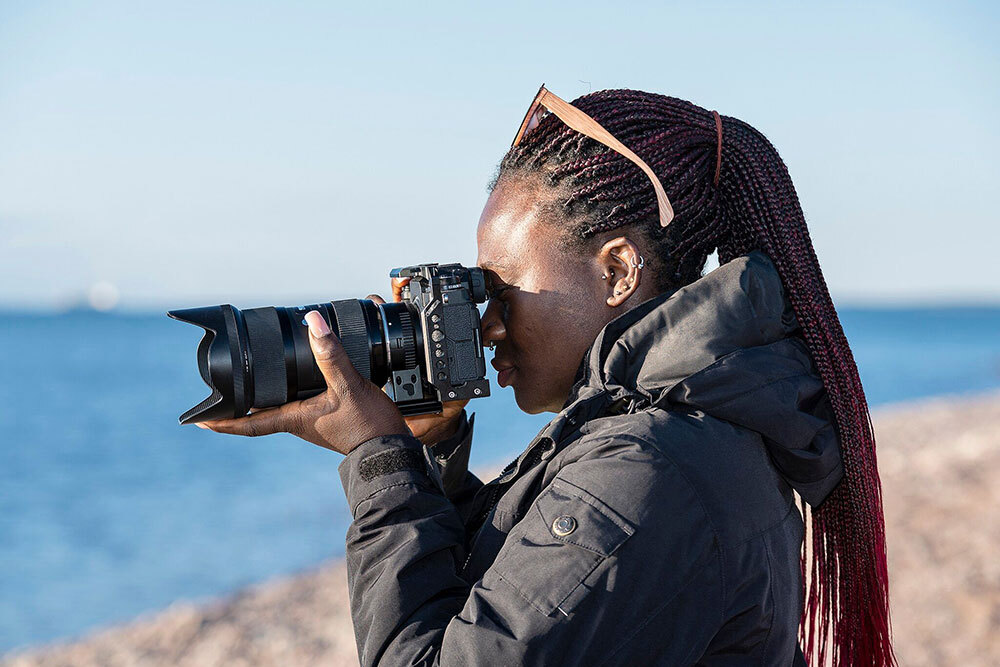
566, 536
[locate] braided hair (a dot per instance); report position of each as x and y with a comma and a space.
750, 204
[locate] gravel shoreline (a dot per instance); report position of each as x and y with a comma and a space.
940, 465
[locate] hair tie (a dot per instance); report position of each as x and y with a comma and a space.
718, 146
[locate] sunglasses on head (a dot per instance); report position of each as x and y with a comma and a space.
584, 124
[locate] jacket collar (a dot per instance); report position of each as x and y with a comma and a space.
651, 348
727, 344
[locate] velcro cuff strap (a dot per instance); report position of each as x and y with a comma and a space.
390, 461
384, 462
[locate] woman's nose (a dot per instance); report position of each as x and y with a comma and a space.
492, 326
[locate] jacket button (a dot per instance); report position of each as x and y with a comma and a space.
563, 525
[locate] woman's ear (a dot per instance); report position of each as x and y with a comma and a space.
621, 263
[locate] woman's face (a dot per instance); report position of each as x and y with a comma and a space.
549, 303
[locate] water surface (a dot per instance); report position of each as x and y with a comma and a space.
108, 508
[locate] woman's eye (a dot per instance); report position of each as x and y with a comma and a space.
498, 288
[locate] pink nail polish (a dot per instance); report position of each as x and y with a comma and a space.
317, 325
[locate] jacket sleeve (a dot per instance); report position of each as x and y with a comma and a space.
451, 459
614, 545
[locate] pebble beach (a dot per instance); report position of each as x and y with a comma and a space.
940, 463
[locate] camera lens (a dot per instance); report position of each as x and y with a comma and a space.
261, 357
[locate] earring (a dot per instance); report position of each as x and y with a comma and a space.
492, 346
612, 272
642, 262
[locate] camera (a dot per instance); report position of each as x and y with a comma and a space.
423, 350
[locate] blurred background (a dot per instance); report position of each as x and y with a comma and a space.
170, 155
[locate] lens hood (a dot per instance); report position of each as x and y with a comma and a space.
223, 361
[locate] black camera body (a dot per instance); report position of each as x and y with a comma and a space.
424, 350
444, 296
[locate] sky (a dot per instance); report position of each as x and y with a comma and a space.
192, 153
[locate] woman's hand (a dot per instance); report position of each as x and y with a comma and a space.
350, 411
432, 429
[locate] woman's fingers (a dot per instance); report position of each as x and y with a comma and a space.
263, 422
431, 429
397, 288
397, 291
330, 355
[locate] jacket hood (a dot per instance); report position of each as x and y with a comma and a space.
728, 345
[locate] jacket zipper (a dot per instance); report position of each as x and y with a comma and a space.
482, 521
495, 494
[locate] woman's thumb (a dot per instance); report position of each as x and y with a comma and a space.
329, 353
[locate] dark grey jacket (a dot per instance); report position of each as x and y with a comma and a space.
652, 521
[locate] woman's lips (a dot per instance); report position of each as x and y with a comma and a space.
503, 377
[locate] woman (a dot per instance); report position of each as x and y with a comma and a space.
653, 521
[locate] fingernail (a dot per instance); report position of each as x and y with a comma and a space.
200, 425
317, 325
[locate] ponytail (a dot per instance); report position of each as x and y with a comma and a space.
844, 566
731, 192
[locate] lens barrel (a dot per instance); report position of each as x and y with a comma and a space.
261, 357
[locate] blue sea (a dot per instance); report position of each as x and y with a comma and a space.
108, 508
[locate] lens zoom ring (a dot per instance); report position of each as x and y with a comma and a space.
354, 335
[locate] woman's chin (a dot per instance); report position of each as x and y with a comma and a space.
529, 403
